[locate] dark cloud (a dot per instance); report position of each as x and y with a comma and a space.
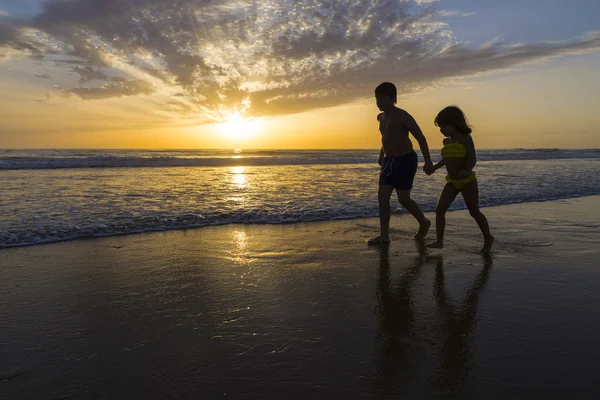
109, 90
10, 35
264, 57
88, 73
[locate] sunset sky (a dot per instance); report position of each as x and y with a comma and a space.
292, 73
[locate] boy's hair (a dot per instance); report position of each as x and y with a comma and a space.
387, 89
453, 115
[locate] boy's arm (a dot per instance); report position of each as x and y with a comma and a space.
415, 130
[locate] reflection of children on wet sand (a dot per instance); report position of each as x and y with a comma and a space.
396, 314
458, 326
401, 323
458, 155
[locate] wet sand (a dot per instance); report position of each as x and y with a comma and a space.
310, 311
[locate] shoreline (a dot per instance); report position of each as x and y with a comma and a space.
395, 214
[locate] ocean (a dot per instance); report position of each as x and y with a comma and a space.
56, 195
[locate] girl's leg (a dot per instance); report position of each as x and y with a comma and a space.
471, 195
446, 198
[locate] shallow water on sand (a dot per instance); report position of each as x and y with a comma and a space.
308, 310
49, 205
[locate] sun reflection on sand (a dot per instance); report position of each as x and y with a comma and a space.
240, 240
240, 244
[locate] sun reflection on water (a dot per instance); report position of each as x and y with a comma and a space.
239, 177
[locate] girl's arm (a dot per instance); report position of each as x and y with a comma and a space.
430, 170
467, 141
439, 165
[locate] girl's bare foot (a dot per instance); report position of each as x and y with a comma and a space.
379, 240
423, 229
438, 244
488, 241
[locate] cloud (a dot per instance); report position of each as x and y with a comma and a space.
110, 90
11, 36
88, 73
454, 13
213, 57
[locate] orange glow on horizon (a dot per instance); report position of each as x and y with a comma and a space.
237, 127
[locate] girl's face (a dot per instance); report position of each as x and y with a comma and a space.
448, 129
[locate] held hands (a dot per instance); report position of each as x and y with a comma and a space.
428, 168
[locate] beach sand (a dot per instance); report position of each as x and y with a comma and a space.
308, 310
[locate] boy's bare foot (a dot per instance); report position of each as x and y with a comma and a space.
488, 241
379, 240
436, 245
423, 229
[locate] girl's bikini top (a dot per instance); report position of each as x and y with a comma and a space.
454, 150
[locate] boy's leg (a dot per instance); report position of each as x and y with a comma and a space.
415, 210
471, 195
446, 198
384, 194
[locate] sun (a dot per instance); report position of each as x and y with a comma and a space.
238, 127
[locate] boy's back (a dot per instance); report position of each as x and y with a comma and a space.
394, 126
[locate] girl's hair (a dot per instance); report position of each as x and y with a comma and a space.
453, 115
